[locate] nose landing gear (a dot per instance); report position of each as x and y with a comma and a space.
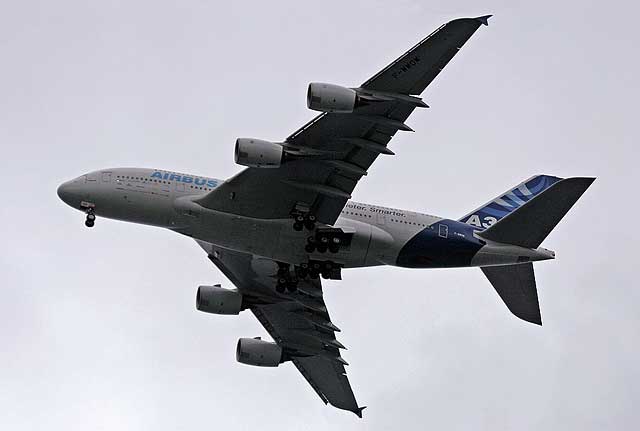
91, 218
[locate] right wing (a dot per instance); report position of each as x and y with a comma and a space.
352, 142
298, 322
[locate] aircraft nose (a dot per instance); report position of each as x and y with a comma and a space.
67, 195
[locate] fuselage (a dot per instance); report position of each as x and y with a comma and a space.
381, 235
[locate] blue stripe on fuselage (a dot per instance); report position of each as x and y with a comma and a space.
430, 249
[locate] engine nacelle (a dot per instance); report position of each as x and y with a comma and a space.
216, 300
254, 351
257, 153
331, 98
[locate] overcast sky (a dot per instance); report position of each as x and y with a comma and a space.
98, 328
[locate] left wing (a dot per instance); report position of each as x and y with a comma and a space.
298, 322
344, 145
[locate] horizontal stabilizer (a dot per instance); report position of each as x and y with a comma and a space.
529, 224
516, 285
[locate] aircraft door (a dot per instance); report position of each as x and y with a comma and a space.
106, 177
443, 230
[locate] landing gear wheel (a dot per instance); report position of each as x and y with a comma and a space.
298, 226
310, 222
334, 248
322, 248
311, 245
91, 218
281, 284
302, 272
313, 274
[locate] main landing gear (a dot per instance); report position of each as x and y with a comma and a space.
315, 268
327, 239
91, 218
303, 220
287, 280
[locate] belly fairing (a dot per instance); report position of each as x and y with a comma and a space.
445, 244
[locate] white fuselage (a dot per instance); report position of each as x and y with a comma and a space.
382, 236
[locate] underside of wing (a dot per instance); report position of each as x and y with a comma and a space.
326, 158
297, 321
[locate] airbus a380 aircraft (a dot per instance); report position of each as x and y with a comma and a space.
287, 219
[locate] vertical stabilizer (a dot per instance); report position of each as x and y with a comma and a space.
511, 200
528, 225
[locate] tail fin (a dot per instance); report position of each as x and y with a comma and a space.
509, 201
516, 285
524, 217
529, 224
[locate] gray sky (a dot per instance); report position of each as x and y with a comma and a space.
99, 328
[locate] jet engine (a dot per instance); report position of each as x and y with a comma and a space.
259, 353
216, 300
257, 153
332, 98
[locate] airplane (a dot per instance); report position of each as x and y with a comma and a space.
287, 219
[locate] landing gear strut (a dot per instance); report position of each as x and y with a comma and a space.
91, 218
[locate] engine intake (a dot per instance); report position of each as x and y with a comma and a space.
332, 98
257, 153
259, 353
216, 300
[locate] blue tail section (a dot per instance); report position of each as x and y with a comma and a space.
508, 202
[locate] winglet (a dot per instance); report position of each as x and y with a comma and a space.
358, 411
484, 19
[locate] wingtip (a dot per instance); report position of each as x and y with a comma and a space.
358, 411
483, 19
